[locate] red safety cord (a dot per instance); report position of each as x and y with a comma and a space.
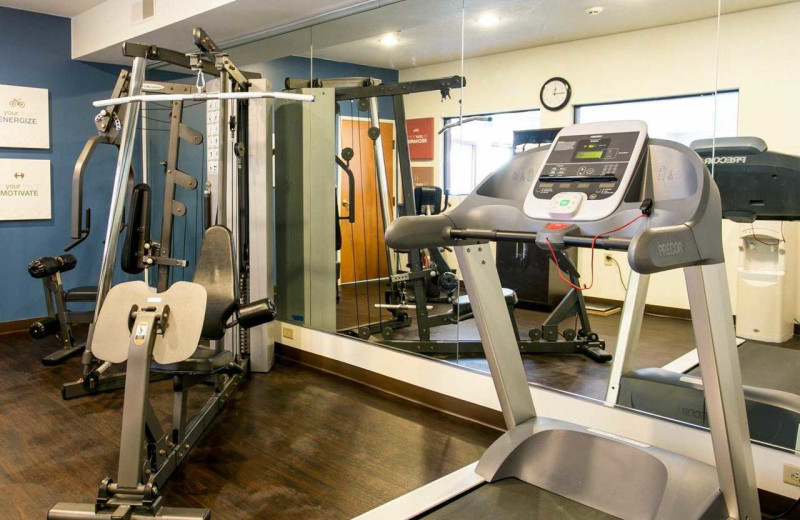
773, 244
594, 240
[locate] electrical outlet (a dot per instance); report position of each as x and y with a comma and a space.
791, 474
609, 260
288, 333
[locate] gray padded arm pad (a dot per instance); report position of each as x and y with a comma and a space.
420, 232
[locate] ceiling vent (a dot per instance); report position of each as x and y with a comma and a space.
142, 11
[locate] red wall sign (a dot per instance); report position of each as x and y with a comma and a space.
420, 138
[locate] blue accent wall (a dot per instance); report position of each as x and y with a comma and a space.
36, 50
37, 54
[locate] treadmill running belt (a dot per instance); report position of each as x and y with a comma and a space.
514, 499
768, 366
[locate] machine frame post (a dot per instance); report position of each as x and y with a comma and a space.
137, 379
409, 209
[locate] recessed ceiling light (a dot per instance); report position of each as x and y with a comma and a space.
488, 20
592, 11
389, 40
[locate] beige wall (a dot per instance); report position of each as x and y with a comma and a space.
758, 56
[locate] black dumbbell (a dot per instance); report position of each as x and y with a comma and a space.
43, 328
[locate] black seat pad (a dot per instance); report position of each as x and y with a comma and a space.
81, 294
203, 361
215, 271
462, 305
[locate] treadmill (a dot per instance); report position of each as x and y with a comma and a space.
754, 183
608, 186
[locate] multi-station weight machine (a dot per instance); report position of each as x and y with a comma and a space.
198, 332
230, 139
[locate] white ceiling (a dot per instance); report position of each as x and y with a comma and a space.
66, 8
430, 30
229, 20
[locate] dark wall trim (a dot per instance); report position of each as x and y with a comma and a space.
8, 327
417, 394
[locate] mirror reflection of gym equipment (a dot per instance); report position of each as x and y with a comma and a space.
397, 290
753, 183
399, 259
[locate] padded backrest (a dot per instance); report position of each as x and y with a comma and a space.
428, 196
138, 230
215, 271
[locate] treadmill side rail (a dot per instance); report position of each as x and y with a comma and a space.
630, 326
497, 332
712, 321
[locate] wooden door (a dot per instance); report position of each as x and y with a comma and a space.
363, 254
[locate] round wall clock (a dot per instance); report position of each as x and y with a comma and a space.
555, 93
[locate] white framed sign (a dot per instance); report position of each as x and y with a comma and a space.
24, 189
24, 117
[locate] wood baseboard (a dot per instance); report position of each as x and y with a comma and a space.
9, 327
672, 312
396, 387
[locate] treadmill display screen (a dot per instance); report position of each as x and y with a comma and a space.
592, 149
592, 164
589, 155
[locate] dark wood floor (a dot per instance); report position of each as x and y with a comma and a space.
662, 340
294, 443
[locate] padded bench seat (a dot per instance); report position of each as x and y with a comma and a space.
462, 306
81, 294
203, 361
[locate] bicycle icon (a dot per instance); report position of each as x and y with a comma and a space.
16, 103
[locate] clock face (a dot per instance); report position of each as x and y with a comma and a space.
555, 93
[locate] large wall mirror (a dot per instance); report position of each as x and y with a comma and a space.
753, 159
425, 100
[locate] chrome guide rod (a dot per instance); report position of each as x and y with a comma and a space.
380, 173
117, 208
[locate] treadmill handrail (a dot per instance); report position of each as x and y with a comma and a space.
614, 244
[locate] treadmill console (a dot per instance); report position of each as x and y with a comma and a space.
587, 171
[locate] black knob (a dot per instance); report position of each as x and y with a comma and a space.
43, 267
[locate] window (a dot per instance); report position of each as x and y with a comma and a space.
478, 148
681, 119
